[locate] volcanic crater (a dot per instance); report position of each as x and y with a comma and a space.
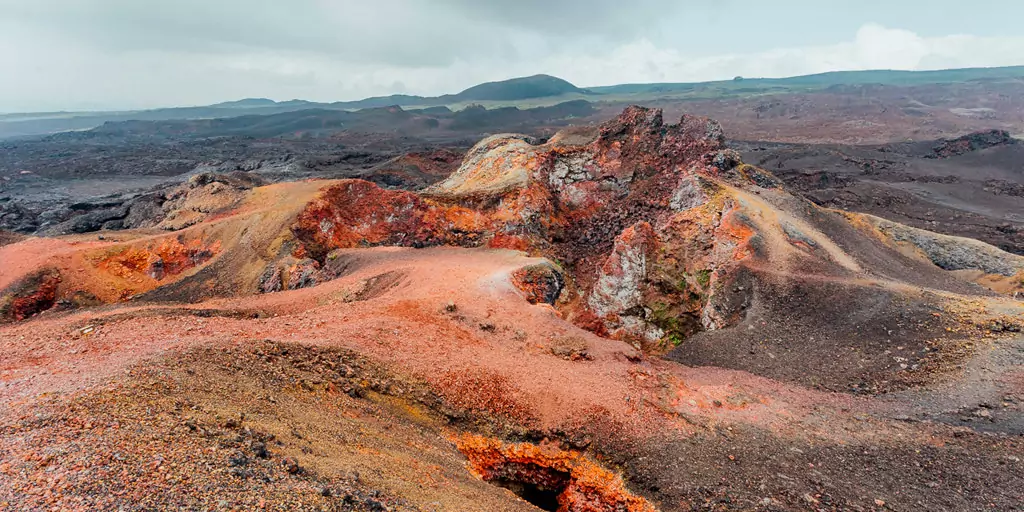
624, 317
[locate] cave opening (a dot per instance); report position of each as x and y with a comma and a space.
539, 496
548, 477
540, 486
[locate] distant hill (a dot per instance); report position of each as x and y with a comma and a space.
246, 103
515, 89
537, 86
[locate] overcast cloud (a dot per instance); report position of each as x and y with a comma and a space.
108, 54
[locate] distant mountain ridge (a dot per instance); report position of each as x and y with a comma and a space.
515, 89
537, 90
260, 103
429, 123
825, 80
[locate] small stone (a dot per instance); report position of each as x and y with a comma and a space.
291, 465
259, 449
238, 459
375, 506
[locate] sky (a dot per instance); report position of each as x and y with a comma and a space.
130, 54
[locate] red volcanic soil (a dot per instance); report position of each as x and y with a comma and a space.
20, 259
455, 327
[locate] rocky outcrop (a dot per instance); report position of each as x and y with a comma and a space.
290, 274
952, 253
972, 142
170, 207
358, 213
495, 165
597, 201
618, 294
203, 195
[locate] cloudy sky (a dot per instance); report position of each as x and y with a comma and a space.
111, 54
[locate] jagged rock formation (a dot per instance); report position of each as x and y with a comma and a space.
573, 199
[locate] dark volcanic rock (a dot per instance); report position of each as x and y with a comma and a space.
975, 190
145, 211
972, 142
7, 237
88, 222
415, 170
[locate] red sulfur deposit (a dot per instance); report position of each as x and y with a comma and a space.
33, 295
171, 257
360, 214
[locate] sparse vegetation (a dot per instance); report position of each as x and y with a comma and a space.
704, 278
